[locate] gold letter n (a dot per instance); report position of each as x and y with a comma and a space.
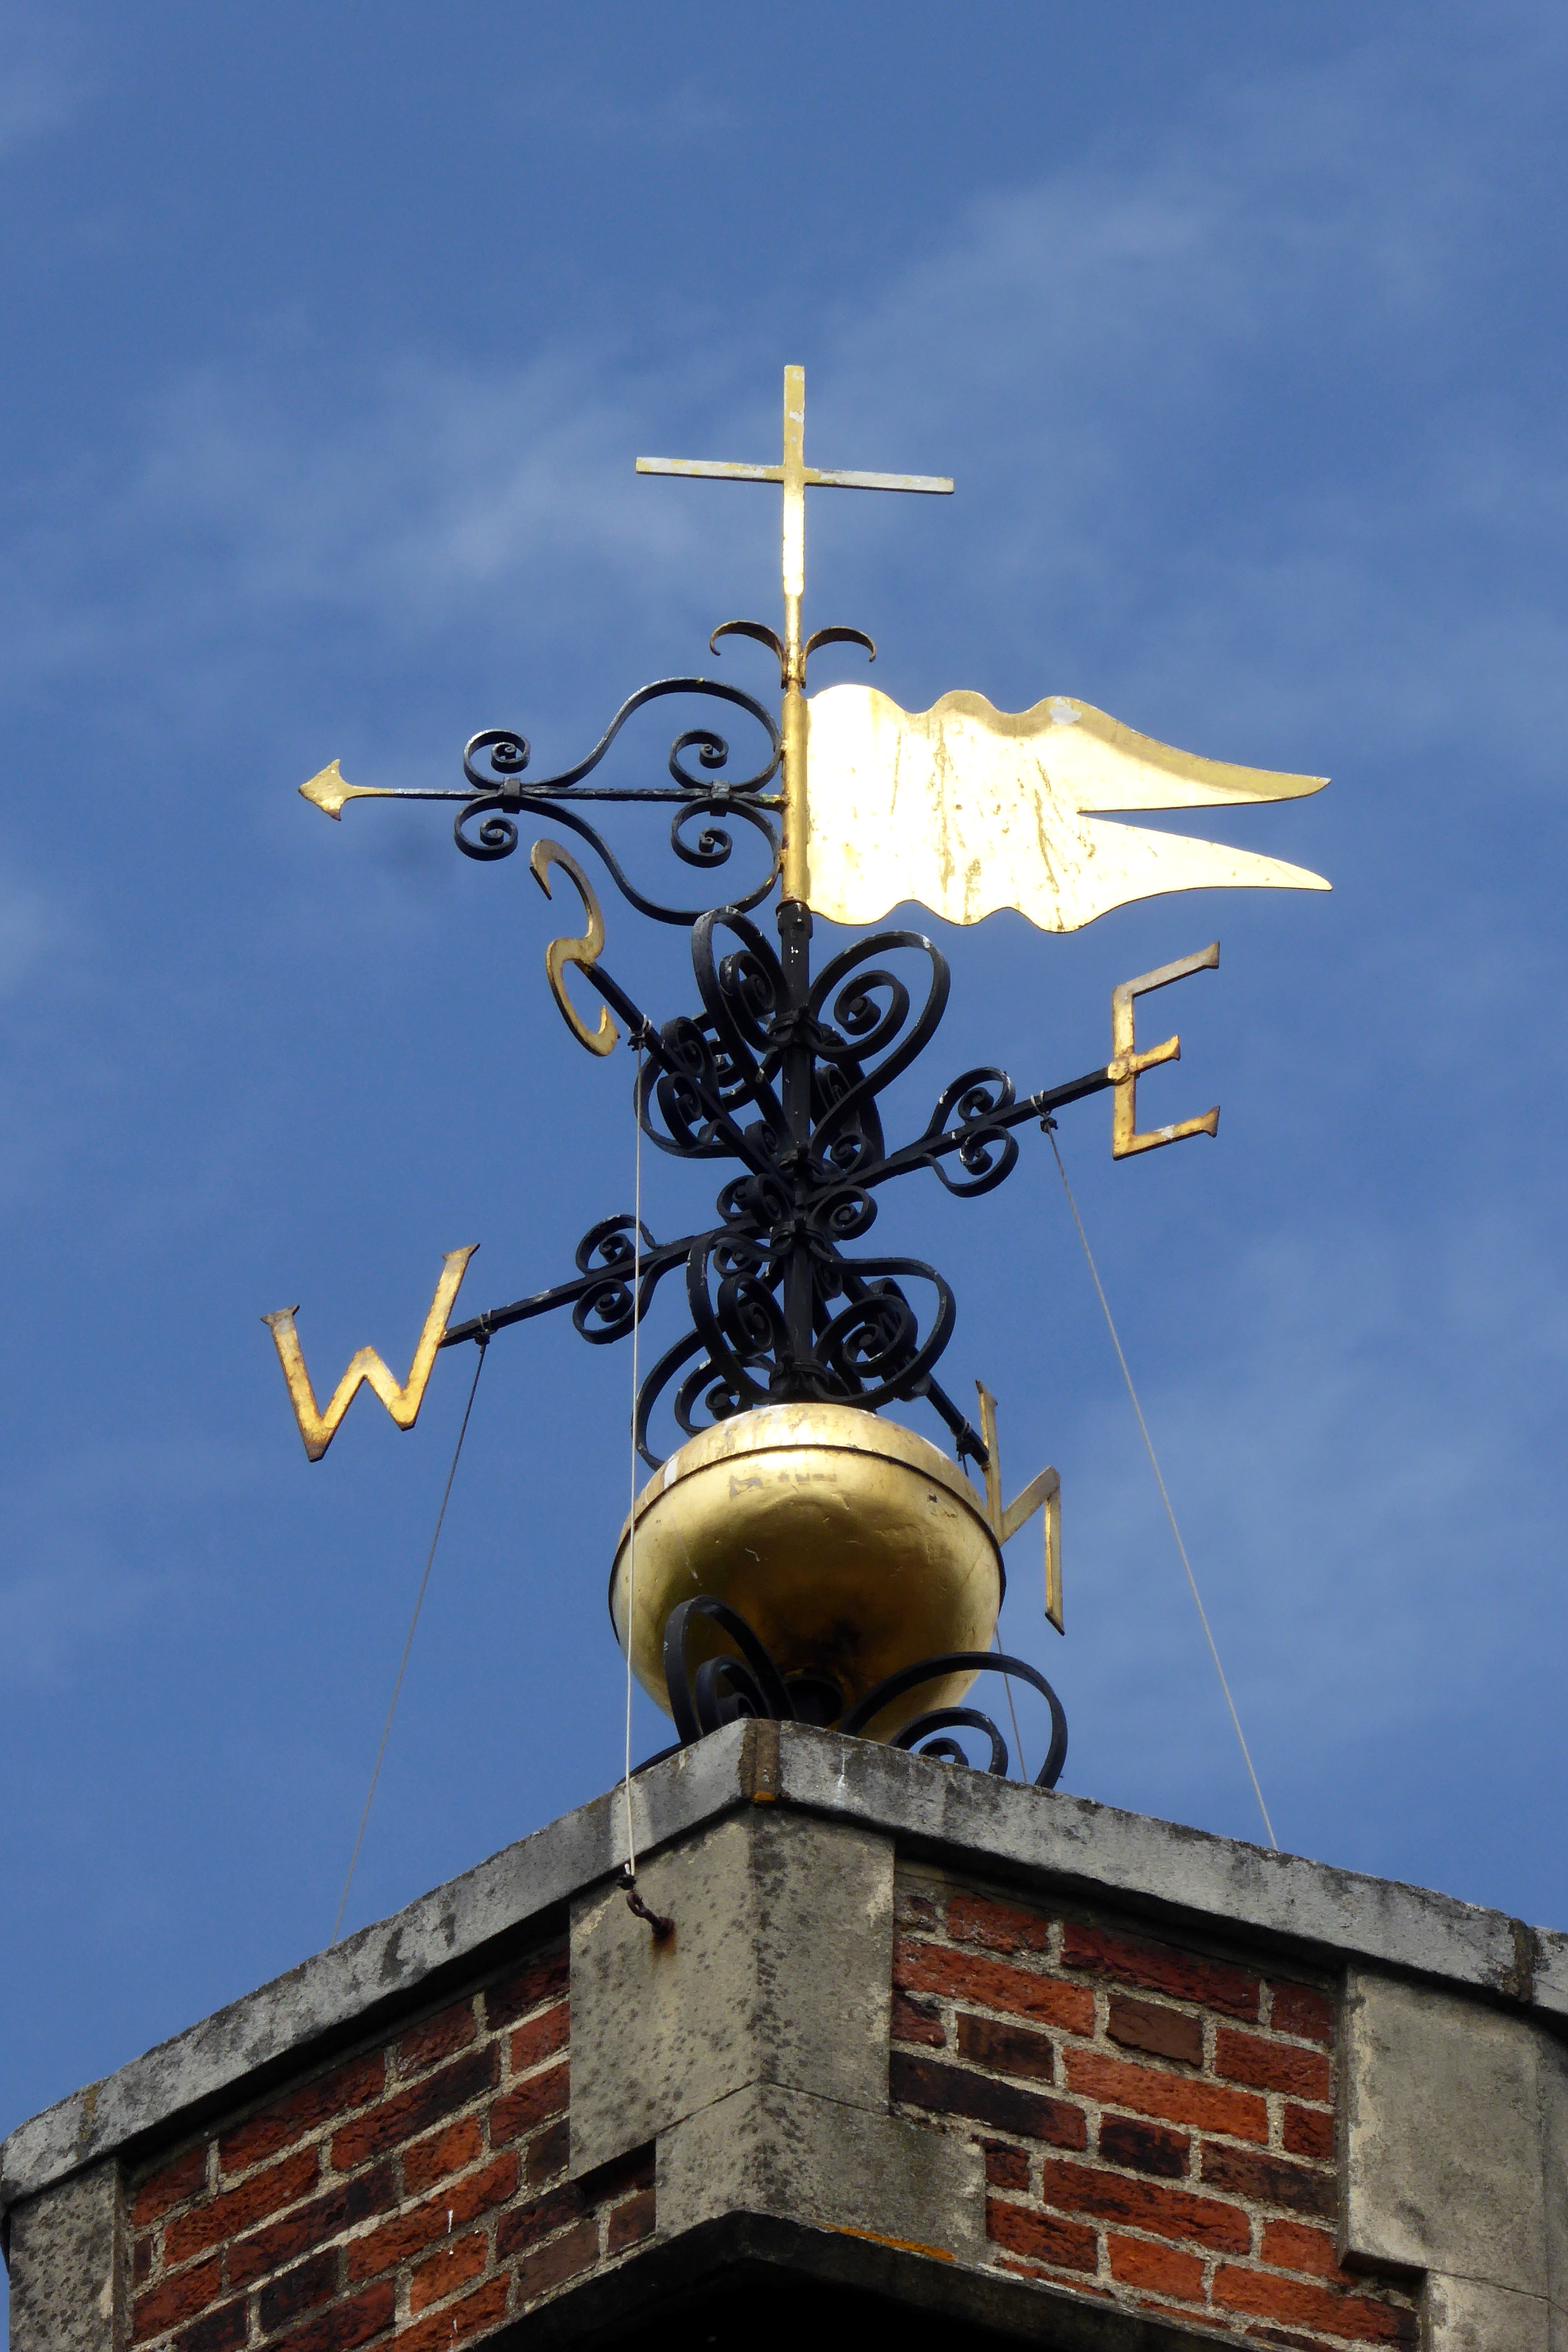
317, 1428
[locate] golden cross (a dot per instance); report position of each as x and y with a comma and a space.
796, 477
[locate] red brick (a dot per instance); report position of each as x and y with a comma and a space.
178, 2298
1272, 2065
1041, 2236
409, 2113
141, 2261
542, 1977
1177, 2098
170, 2185
550, 2266
1160, 2270
347, 2323
1145, 2205
1159, 1967
993, 1984
918, 2021
1268, 2179
224, 2217
916, 1913
999, 1927
547, 2154
1144, 2148
630, 2221
1309, 2131
444, 2153
954, 2091
220, 2331
1162, 2032
1006, 2049
412, 2233
1005, 2167
1299, 2009
1267, 2296
454, 2266
533, 2102
1290, 2246
289, 2119
527, 2224
540, 2038
298, 2290
439, 2037
324, 2218
456, 2320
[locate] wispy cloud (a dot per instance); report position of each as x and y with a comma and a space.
1077, 351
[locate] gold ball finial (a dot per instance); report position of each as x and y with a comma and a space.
849, 1545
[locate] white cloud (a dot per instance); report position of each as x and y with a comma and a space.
1073, 350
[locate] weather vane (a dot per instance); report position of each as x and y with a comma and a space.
854, 1566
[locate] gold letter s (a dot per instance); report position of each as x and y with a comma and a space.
582, 951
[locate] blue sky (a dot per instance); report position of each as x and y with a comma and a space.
332, 335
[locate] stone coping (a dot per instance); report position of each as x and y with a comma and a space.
942, 1811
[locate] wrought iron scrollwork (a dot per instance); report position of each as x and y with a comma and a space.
781, 1073
496, 760
726, 1689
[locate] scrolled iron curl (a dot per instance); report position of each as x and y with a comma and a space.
712, 751
496, 834
700, 1703
868, 1027
897, 1041
499, 795
996, 1661
560, 812
753, 990
712, 846
508, 755
755, 1203
991, 1153
609, 1244
877, 1333
726, 1689
744, 997
605, 1312
843, 1214
509, 751
750, 1317
737, 1331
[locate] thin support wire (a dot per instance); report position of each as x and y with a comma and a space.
409, 1644
1164, 1497
1007, 1686
631, 1861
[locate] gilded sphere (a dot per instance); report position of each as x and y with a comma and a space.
850, 1546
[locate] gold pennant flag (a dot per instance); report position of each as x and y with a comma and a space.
964, 808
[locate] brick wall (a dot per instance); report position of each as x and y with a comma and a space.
1158, 2126
413, 2194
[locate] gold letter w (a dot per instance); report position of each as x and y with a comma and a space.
317, 1428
